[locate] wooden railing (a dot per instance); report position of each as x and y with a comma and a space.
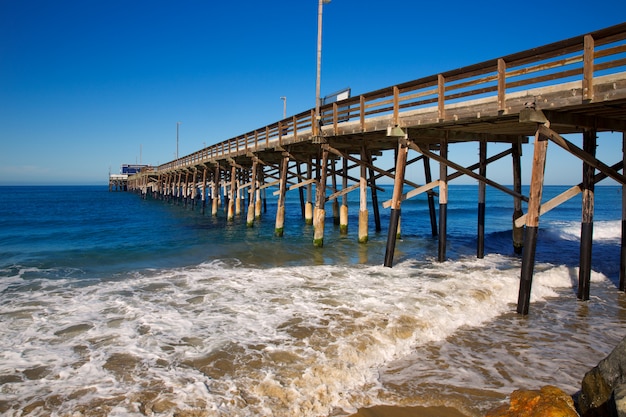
577, 59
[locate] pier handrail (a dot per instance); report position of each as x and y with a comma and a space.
576, 59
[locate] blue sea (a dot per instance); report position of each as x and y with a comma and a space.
114, 305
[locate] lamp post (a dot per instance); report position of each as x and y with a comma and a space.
177, 124
320, 9
284, 99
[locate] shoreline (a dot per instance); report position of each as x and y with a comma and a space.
399, 411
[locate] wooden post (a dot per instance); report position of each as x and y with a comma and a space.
320, 212
431, 198
280, 209
586, 227
204, 172
216, 191
231, 193
301, 190
343, 211
308, 208
193, 189
336, 215
396, 200
186, 188
532, 222
518, 232
588, 62
252, 195
622, 262
258, 203
482, 170
443, 200
363, 214
374, 191
238, 173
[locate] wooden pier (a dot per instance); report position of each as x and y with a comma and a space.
576, 86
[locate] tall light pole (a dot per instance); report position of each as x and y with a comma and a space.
177, 124
284, 99
320, 9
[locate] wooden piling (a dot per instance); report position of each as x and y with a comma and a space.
480, 250
215, 191
586, 228
443, 200
518, 231
258, 200
204, 173
252, 195
431, 198
532, 222
280, 209
320, 212
363, 236
622, 262
194, 189
343, 210
336, 215
231, 193
374, 192
396, 200
308, 208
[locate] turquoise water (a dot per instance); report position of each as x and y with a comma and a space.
112, 303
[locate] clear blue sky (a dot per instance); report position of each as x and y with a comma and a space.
86, 85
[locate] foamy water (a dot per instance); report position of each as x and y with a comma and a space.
240, 341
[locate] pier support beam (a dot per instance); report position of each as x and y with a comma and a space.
363, 214
532, 222
308, 208
431, 198
586, 229
252, 195
394, 217
443, 200
480, 249
622, 262
320, 201
204, 173
232, 189
518, 231
343, 209
192, 189
215, 191
280, 209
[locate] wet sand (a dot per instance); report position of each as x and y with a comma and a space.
388, 411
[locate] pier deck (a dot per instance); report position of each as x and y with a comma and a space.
574, 86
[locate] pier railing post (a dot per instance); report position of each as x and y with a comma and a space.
532, 222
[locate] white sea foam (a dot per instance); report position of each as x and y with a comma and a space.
244, 341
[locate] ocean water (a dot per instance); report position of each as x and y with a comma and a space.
111, 305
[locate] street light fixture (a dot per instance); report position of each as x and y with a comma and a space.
177, 124
320, 9
284, 99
